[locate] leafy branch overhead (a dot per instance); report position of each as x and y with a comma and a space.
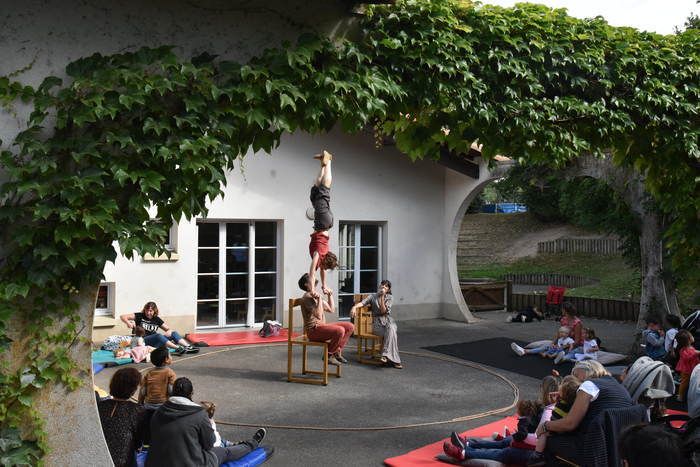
128, 132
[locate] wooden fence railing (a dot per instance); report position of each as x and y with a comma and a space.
595, 246
616, 310
565, 280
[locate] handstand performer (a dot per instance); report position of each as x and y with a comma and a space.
323, 220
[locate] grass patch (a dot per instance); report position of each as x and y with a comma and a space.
617, 279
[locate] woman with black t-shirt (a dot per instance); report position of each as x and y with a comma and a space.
148, 319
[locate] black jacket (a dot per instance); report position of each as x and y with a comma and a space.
181, 435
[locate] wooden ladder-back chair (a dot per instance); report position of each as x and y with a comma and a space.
304, 342
369, 345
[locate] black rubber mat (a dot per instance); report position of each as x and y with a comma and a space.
496, 352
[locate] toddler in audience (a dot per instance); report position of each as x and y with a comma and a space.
567, 393
653, 339
563, 343
687, 360
590, 347
157, 383
137, 350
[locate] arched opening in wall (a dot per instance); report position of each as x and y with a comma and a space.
525, 232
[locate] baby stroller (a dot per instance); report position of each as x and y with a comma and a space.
650, 382
692, 324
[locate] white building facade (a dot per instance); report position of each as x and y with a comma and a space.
238, 266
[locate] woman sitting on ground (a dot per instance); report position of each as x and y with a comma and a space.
149, 320
383, 324
598, 391
313, 310
181, 434
575, 326
121, 418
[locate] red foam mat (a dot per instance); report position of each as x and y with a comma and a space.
235, 338
425, 456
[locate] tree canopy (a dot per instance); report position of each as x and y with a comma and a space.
129, 131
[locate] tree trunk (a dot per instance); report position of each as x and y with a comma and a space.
656, 297
71, 419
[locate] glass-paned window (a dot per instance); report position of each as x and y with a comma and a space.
104, 302
359, 262
237, 273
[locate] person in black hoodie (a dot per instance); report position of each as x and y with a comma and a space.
181, 434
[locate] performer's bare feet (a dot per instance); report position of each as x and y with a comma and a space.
324, 157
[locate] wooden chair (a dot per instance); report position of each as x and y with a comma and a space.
304, 341
369, 345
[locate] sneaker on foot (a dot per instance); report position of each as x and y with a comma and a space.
259, 435
560, 356
333, 361
180, 350
340, 358
509, 319
191, 349
458, 440
517, 349
453, 451
496, 436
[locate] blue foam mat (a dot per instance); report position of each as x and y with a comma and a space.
255, 457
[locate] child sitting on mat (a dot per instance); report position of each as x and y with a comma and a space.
563, 343
510, 450
567, 395
137, 350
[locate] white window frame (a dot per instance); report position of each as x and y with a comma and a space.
357, 248
251, 273
109, 311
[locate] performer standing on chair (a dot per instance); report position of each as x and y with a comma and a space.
320, 197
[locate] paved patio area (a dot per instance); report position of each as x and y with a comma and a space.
370, 413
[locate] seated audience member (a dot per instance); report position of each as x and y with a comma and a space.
313, 310
383, 324
673, 324
149, 320
210, 407
121, 418
653, 339
687, 361
651, 446
182, 435
528, 315
598, 391
559, 347
591, 346
567, 394
137, 350
569, 320
157, 382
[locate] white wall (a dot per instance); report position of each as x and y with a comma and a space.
368, 185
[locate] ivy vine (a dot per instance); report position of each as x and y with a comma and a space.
129, 131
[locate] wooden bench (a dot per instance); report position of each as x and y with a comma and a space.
369, 345
304, 342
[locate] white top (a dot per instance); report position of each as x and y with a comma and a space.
217, 436
590, 347
670, 335
590, 388
564, 341
137, 341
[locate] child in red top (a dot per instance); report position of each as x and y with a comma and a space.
320, 197
687, 360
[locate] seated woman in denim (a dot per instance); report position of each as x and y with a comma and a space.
149, 320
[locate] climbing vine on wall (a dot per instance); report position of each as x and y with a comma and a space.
126, 132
